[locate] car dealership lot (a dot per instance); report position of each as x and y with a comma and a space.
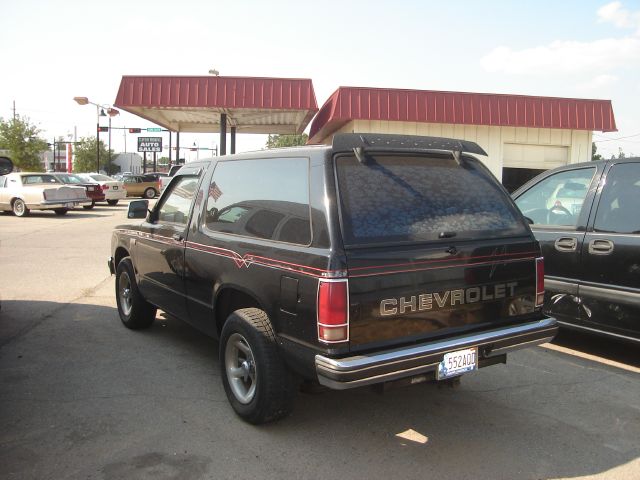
83, 397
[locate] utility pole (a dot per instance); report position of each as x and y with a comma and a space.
14, 109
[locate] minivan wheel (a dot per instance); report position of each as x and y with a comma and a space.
258, 384
135, 312
149, 193
20, 208
112, 202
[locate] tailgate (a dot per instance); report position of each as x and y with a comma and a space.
417, 293
434, 246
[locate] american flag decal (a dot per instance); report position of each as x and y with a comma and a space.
214, 191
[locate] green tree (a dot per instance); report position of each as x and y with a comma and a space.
20, 138
278, 141
594, 150
85, 156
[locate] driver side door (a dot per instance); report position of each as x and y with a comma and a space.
559, 205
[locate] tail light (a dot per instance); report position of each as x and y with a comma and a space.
333, 311
539, 281
105, 187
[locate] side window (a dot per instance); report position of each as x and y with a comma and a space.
256, 198
2, 181
175, 208
618, 210
558, 199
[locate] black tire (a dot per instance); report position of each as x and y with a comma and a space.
149, 193
61, 211
112, 202
272, 381
19, 208
89, 207
135, 312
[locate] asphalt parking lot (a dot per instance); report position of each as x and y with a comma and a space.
83, 397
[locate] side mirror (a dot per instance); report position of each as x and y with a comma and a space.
138, 209
6, 166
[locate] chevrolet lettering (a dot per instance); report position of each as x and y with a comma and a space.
448, 298
378, 259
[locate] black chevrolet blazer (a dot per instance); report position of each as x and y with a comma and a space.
376, 259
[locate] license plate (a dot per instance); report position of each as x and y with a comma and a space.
458, 362
114, 187
69, 205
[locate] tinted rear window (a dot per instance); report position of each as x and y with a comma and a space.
411, 198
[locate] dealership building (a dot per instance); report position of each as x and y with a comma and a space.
522, 135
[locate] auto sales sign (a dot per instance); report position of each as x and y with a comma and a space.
149, 144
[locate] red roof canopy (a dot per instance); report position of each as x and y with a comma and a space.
194, 104
425, 106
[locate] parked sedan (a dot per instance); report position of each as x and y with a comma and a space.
146, 186
587, 219
113, 189
25, 191
94, 191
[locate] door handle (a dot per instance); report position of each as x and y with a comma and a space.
566, 244
177, 237
600, 247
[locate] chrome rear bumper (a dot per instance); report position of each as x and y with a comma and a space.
360, 370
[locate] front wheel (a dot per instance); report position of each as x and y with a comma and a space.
112, 202
135, 312
20, 208
257, 382
149, 193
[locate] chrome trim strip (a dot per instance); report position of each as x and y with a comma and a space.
363, 366
601, 332
560, 286
611, 295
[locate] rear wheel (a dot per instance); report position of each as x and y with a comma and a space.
112, 202
135, 312
20, 208
61, 211
89, 207
257, 382
149, 193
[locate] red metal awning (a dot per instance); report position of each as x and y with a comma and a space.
195, 104
425, 106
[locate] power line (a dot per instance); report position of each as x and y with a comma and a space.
619, 138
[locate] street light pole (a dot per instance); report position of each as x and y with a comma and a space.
112, 112
97, 138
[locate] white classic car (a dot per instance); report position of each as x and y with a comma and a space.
113, 189
25, 191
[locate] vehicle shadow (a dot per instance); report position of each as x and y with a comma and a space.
103, 386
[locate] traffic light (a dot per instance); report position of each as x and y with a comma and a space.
103, 129
134, 130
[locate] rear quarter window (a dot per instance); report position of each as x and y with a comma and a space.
416, 198
259, 198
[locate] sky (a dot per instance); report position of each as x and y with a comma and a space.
51, 52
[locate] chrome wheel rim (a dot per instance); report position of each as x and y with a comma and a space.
18, 207
124, 293
240, 368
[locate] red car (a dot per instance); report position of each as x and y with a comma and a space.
94, 191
